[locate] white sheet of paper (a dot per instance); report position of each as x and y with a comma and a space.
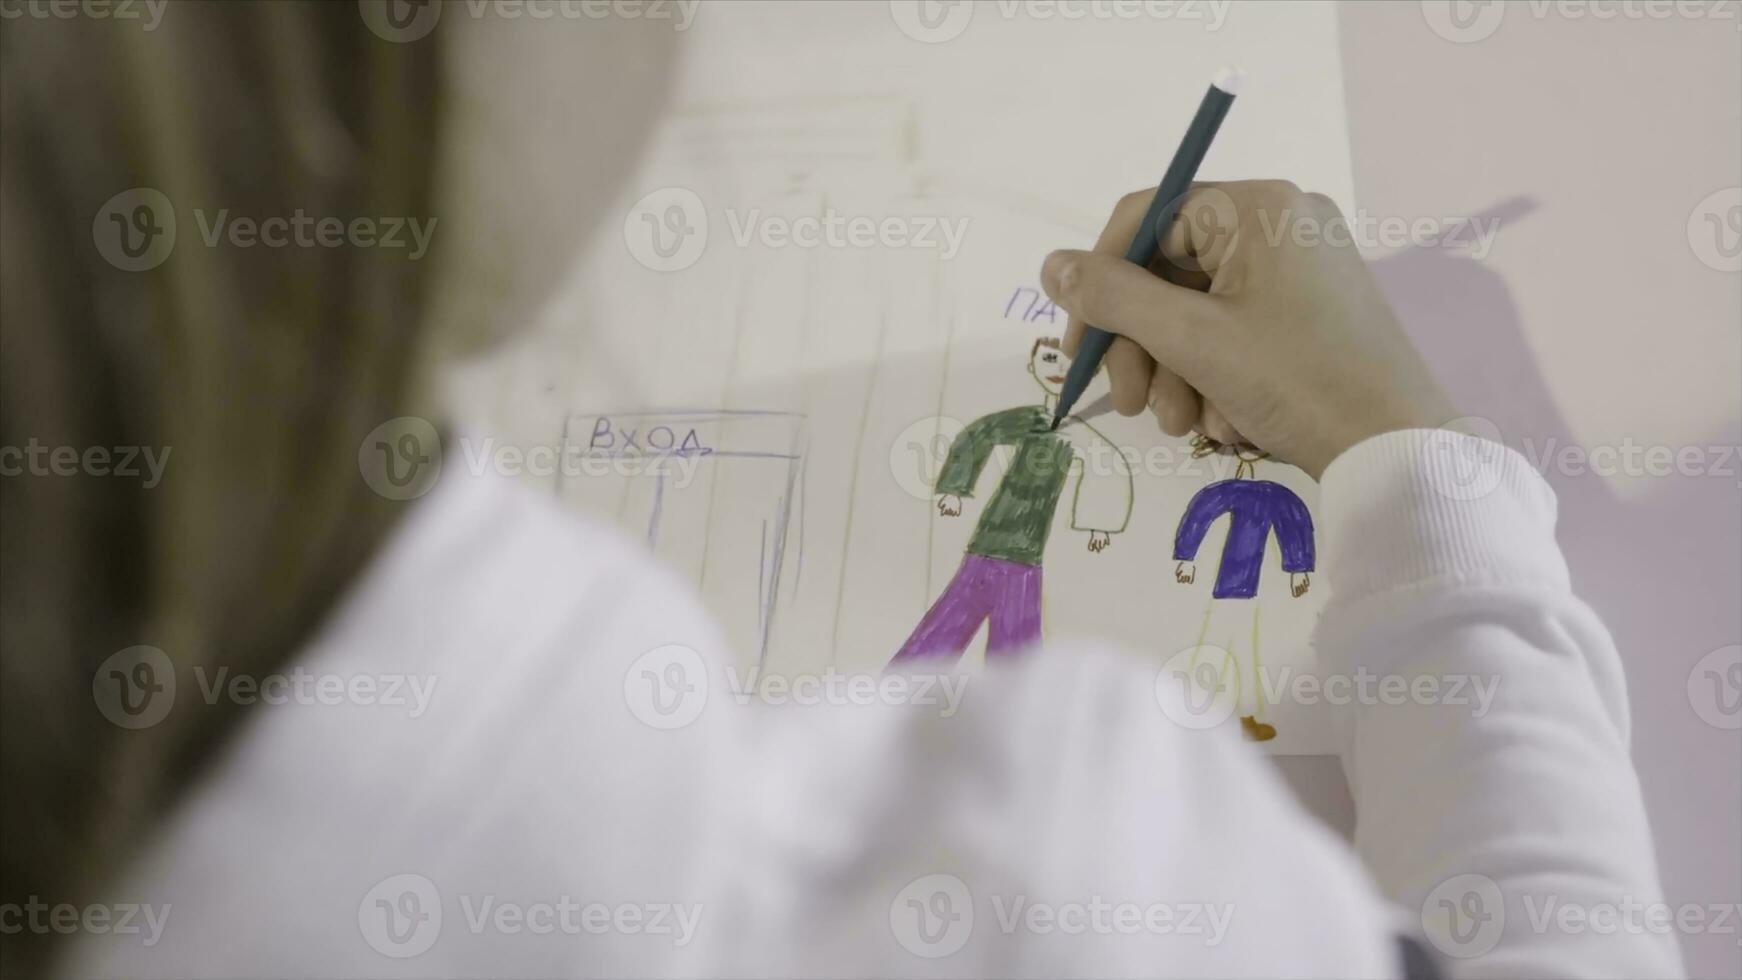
766, 413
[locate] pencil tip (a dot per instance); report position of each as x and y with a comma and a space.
1055, 424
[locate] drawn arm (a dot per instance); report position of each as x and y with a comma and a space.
1294, 530
968, 455
1101, 502
1210, 503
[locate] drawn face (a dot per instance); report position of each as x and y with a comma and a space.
1048, 365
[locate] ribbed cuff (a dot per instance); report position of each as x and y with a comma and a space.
1424, 504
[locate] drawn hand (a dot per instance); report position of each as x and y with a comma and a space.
949, 505
1099, 541
1299, 583
1185, 573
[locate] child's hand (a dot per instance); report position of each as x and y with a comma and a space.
1099, 541
1185, 573
1259, 323
949, 505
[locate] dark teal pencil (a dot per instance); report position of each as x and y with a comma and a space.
1162, 211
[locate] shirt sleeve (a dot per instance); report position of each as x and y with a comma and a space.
1501, 794
1101, 498
968, 456
1294, 531
1206, 505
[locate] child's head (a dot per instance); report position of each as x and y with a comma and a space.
1048, 363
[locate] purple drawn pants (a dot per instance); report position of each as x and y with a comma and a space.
1007, 592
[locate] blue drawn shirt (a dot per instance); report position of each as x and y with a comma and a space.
1257, 507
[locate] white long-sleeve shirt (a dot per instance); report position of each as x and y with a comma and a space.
571, 784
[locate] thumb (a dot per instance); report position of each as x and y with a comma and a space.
1170, 322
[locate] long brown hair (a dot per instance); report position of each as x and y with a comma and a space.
253, 374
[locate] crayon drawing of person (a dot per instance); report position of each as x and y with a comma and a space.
1256, 509
999, 579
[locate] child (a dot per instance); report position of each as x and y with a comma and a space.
530, 818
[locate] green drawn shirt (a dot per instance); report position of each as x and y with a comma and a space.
1015, 523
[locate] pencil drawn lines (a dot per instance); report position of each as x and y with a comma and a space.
562, 440
658, 506
739, 319
856, 456
938, 412
667, 447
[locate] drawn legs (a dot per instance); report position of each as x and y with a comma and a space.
1016, 613
1233, 671
951, 622
1006, 592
